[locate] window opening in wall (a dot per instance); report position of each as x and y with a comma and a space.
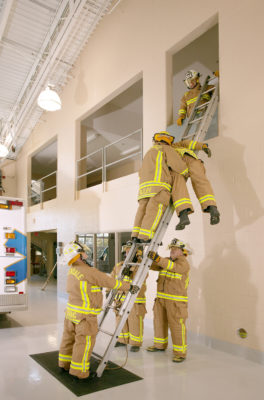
43, 184
202, 56
111, 139
105, 248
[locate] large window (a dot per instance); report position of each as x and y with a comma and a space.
105, 248
43, 184
111, 139
201, 55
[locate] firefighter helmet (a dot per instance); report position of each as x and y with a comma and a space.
128, 245
72, 251
178, 243
163, 136
191, 78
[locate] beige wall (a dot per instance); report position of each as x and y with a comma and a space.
139, 37
9, 182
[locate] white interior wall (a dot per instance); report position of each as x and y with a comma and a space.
140, 38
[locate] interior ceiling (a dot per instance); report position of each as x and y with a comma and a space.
45, 161
40, 41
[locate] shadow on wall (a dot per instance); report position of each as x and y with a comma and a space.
224, 277
81, 92
243, 196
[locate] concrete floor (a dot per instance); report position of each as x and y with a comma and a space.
206, 375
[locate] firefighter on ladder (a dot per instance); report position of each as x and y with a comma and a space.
171, 304
132, 332
161, 168
84, 285
192, 81
200, 182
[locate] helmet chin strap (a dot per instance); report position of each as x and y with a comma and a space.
84, 260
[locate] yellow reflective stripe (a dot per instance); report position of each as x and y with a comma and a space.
140, 300
207, 198
82, 310
170, 265
154, 183
187, 280
95, 289
127, 279
79, 366
206, 96
76, 321
183, 332
172, 275
117, 285
171, 297
145, 232
143, 196
180, 348
124, 335
136, 229
158, 167
192, 145
86, 353
141, 328
85, 297
160, 340
64, 357
193, 100
157, 219
185, 171
182, 111
181, 201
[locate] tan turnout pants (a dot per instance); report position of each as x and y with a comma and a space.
167, 314
200, 183
77, 345
149, 213
132, 332
180, 195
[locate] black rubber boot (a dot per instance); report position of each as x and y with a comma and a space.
184, 220
135, 239
145, 241
214, 215
119, 344
134, 349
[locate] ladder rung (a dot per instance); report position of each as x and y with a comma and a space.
202, 106
195, 120
106, 332
209, 90
188, 136
131, 263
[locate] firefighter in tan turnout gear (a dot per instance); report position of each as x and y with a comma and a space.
132, 332
161, 169
189, 98
200, 182
84, 285
171, 304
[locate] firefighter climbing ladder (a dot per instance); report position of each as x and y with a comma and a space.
204, 121
207, 109
143, 269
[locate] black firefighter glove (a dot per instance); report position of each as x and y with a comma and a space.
126, 271
153, 256
134, 289
206, 149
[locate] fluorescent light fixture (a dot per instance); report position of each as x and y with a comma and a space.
49, 100
3, 150
128, 151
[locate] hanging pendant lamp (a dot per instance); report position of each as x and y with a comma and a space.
49, 100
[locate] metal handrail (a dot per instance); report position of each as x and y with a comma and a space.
104, 165
44, 190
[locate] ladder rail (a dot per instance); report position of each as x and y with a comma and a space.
139, 279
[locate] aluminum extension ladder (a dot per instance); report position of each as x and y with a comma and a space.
204, 121
142, 272
208, 109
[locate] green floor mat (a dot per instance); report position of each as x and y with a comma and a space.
109, 379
